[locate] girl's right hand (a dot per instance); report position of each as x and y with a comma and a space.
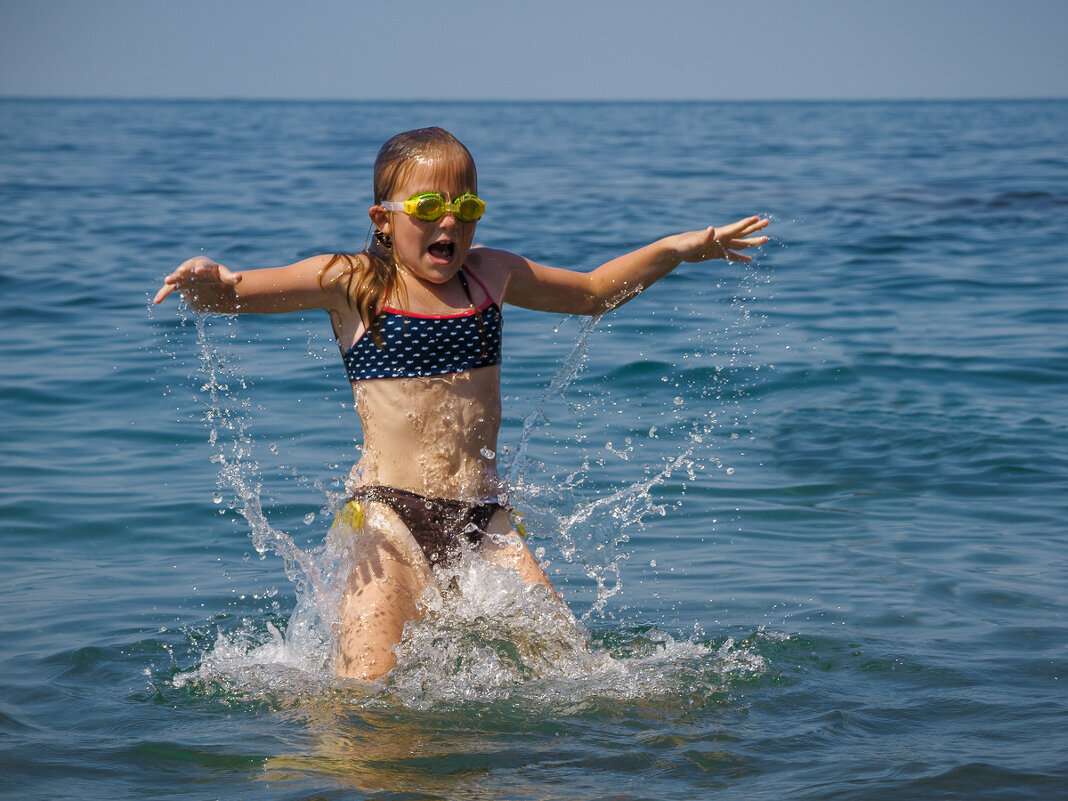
204, 284
721, 242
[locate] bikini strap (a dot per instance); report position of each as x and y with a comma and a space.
477, 281
467, 289
478, 311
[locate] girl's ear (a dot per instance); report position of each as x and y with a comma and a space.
379, 218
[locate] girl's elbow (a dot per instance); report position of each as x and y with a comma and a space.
592, 304
592, 307
610, 298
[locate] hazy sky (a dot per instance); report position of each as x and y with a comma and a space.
534, 49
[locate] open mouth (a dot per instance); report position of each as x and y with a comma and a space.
442, 251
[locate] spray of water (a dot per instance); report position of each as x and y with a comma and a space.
495, 637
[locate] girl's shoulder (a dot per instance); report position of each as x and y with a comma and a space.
337, 265
492, 267
338, 272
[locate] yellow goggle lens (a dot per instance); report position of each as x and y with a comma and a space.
432, 206
468, 208
427, 207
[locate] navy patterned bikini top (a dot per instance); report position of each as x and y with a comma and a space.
415, 345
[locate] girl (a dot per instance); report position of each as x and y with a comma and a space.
417, 316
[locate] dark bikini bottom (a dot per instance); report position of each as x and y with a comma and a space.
438, 524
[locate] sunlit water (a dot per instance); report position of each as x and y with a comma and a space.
808, 515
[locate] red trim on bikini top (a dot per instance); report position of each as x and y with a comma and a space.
489, 302
468, 313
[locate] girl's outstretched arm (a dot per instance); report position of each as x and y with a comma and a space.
535, 286
211, 287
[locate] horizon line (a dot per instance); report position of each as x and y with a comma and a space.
438, 101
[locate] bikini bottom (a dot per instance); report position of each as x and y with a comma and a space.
437, 524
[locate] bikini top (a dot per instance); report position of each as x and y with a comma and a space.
416, 345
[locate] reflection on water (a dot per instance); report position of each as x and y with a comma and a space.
487, 699
449, 747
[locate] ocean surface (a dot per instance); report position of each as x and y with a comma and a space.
810, 513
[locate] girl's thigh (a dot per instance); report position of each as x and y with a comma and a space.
385, 585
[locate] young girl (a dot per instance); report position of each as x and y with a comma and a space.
417, 316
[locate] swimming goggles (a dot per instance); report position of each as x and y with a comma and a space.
432, 206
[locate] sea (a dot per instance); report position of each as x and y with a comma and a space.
809, 514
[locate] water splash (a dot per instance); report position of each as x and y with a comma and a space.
592, 533
493, 642
520, 464
227, 416
495, 638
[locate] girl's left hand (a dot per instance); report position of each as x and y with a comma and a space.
721, 242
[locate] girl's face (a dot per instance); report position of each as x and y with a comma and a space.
433, 250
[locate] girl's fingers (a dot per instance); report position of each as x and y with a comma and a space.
732, 256
741, 244
753, 224
179, 276
170, 283
194, 271
163, 293
734, 229
740, 229
753, 228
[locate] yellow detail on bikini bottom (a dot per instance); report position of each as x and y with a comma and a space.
351, 515
517, 523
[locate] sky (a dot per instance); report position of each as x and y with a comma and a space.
534, 49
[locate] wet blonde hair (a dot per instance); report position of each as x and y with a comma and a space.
372, 279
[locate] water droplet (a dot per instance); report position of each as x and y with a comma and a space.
487, 453
216, 497
308, 518
652, 563
730, 471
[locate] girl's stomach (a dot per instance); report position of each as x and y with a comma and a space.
436, 436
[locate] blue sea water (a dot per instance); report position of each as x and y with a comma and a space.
810, 512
